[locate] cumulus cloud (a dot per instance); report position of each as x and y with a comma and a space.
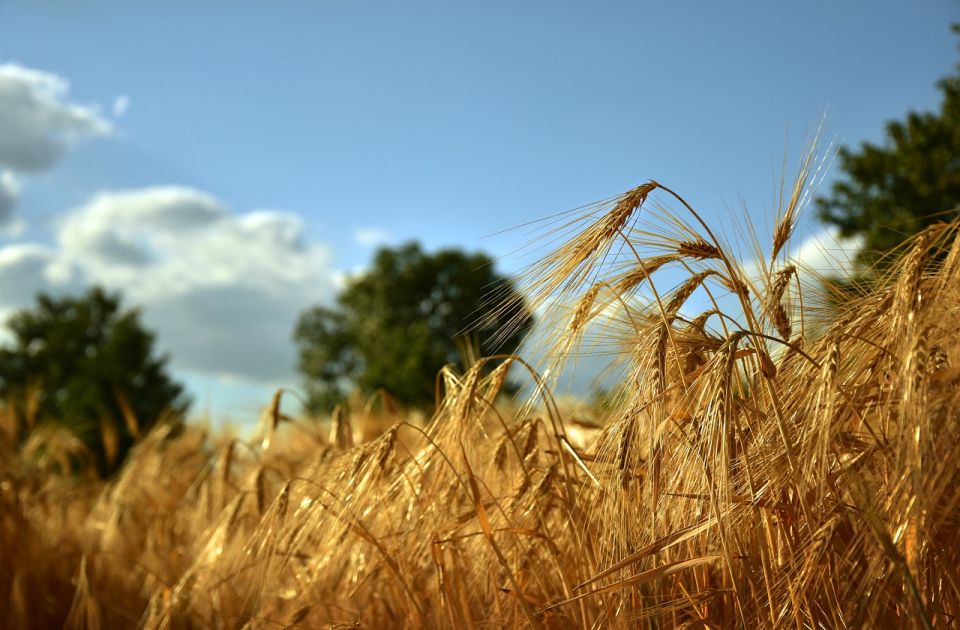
222, 290
231, 330
120, 105
26, 269
821, 253
117, 231
371, 236
825, 253
38, 121
9, 192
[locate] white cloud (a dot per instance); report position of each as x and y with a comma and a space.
9, 192
120, 105
232, 330
222, 290
826, 253
13, 228
117, 232
822, 253
25, 269
38, 121
371, 236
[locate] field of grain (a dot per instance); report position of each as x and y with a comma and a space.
776, 459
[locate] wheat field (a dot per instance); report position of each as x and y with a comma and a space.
780, 457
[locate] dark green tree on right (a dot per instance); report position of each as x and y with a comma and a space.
891, 192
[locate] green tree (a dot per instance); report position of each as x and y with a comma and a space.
91, 367
896, 189
397, 324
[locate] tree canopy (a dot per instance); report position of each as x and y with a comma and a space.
891, 191
85, 363
397, 324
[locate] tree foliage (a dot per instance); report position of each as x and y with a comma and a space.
395, 326
894, 190
85, 363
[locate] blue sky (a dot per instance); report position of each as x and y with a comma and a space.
316, 130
